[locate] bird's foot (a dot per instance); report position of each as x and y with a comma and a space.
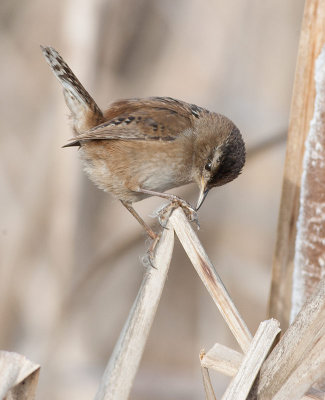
165, 212
149, 258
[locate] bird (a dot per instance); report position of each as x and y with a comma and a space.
142, 147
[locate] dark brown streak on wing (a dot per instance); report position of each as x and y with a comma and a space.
154, 118
143, 119
77, 142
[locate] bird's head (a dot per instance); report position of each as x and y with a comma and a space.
220, 155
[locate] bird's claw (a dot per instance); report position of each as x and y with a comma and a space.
149, 258
165, 212
163, 215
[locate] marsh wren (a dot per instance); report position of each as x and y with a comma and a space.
142, 147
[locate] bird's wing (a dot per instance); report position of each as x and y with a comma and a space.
155, 118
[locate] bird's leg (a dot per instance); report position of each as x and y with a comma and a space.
146, 227
154, 236
175, 202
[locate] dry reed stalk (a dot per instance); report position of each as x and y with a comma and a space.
309, 261
313, 394
210, 278
123, 364
222, 359
312, 40
310, 369
208, 389
261, 344
298, 360
227, 361
18, 376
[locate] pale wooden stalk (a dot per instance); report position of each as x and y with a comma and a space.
313, 394
310, 369
222, 359
18, 376
227, 361
208, 389
123, 364
210, 278
309, 261
311, 41
261, 344
294, 349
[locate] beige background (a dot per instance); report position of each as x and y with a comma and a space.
70, 255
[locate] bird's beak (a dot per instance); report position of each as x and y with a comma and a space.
203, 194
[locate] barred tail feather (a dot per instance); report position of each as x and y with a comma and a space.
84, 111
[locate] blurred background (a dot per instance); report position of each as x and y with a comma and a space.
70, 256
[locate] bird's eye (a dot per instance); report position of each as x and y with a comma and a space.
208, 166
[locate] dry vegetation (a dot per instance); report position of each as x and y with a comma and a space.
70, 256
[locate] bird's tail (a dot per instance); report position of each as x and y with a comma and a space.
84, 111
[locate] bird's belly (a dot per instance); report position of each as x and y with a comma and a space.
159, 178
104, 177
123, 174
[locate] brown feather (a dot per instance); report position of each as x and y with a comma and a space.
84, 111
154, 118
143, 147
